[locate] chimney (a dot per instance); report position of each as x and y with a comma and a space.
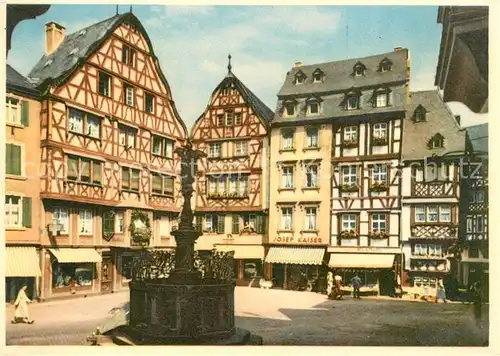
298, 64
397, 49
54, 35
457, 119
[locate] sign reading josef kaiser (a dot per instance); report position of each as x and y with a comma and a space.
299, 240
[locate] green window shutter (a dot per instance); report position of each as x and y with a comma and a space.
108, 221
220, 224
236, 224
13, 159
27, 212
8, 155
258, 224
25, 113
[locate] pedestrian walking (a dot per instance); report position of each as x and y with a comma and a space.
329, 283
356, 285
21, 305
338, 286
440, 292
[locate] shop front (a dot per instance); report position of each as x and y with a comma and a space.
22, 268
377, 271
247, 263
74, 271
296, 268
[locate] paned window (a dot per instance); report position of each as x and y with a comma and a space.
287, 177
286, 218
310, 222
85, 222
84, 170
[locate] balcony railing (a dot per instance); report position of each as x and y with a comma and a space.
434, 231
433, 189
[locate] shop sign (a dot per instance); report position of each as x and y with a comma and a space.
300, 240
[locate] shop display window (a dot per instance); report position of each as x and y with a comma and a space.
72, 275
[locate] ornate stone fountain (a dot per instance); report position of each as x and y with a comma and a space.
180, 298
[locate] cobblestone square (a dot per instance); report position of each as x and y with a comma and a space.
282, 318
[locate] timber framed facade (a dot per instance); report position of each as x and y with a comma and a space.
231, 188
108, 133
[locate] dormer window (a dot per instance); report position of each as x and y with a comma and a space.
352, 101
385, 65
300, 78
381, 98
317, 76
419, 114
313, 108
289, 109
359, 69
437, 141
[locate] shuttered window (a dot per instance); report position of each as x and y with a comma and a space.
13, 159
108, 222
220, 224
236, 224
27, 206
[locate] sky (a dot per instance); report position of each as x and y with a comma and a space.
192, 43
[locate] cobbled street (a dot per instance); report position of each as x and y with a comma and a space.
282, 318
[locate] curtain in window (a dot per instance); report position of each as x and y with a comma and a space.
60, 216
169, 185
243, 185
135, 180
131, 139
286, 219
75, 120
72, 168
310, 219
93, 126
233, 180
432, 213
156, 145
312, 176
85, 170
85, 221
312, 138
287, 177
96, 172
169, 148
212, 185
125, 178
157, 183
222, 184
122, 137
445, 213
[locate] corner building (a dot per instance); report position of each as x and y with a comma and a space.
108, 133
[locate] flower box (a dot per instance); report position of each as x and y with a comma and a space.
379, 141
350, 144
348, 188
378, 234
349, 234
379, 187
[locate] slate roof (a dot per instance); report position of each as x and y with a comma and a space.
478, 137
259, 108
439, 119
17, 82
62, 60
338, 80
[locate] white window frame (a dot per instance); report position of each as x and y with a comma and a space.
312, 139
287, 177
299, 79
209, 223
229, 118
60, 215
129, 95
317, 77
349, 222
127, 137
312, 176
435, 211
352, 102
382, 99
350, 133
447, 212
250, 220
286, 222
420, 215
470, 225
380, 130
13, 111
287, 137
10, 208
480, 223
215, 150
107, 89
241, 148
379, 173
379, 222
85, 222
120, 222
233, 184
237, 118
349, 175
75, 120
93, 126
212, 185
310, 219
243, 185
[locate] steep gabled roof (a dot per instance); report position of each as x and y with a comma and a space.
17, 83
259, 108
78, 46
439, 120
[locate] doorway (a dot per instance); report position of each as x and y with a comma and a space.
107, 274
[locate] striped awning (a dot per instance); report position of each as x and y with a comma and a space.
22, 261
243, 251
361, 260
76, 255
296, 255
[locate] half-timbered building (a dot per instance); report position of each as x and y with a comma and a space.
231, 195
366, 101
474, 204
109, 129
433, 147
22, 181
